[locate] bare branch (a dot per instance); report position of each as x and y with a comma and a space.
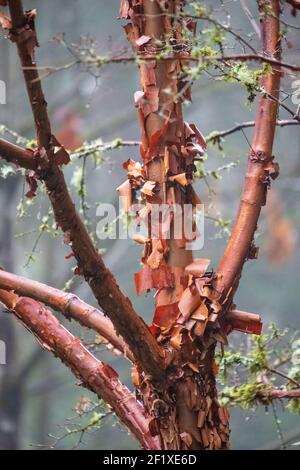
175, 56
14, 154
267, 59
217, 135
68, 304
290, 394
295, 4
95, 376
260, 167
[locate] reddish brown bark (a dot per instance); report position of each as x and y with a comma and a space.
260, 165
15, 154
94, 375
68, 304
279, 394
243, 321
216, 136
187, 412
90, 264
23, 34
295, 4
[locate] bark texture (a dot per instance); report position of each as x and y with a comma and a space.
94, 375
69, 305
186, 412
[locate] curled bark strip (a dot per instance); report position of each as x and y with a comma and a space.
259, 170
69, 305
243, 321
94, 375
118, 307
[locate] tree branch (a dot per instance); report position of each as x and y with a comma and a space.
176, 56
260, 166
295, 4
95, 376
278, 394
68, 304
118, 307
267, 59
14, 154
243, 321
217, 135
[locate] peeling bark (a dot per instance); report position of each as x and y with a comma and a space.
186, 413
94, 375
69, 305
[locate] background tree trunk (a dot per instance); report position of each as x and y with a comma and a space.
10, 390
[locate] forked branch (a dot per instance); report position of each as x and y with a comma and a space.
94, 375
68, 304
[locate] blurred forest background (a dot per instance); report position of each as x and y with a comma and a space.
37, 393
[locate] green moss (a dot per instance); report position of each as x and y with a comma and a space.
247, 396
294, 406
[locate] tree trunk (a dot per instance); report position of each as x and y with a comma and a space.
186, 413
